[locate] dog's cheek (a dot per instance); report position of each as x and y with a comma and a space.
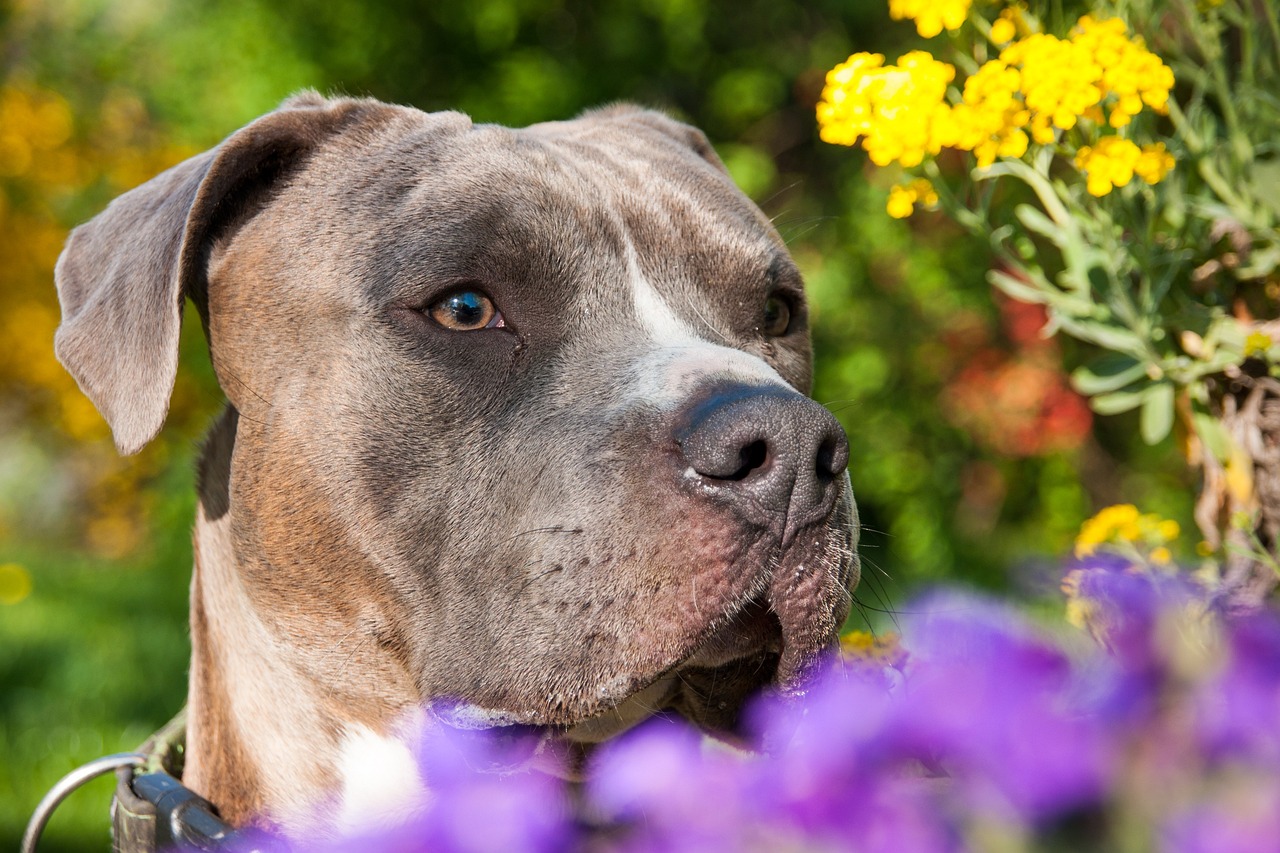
636, 594
306, 575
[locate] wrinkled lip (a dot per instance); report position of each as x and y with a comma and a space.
753, 629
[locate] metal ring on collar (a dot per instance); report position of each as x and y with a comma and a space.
67, 785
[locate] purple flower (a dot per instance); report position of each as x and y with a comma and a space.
1243, 816
1122, 605
664, 787
993, 702
482, 798
832, 767
1238, 711
1171, 723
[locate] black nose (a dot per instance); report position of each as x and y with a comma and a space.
765, 448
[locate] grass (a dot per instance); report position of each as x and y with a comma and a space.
91, 662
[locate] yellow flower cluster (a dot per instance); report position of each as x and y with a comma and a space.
1114, 161
990, 117
904, 197
931, 16
880, 650
33, 127
1059, 81
1124, 526
893, 109
1129, 74
1037, 86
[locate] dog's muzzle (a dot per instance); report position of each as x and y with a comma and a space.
773, 455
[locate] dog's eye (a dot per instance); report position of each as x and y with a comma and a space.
466, 311
777, 316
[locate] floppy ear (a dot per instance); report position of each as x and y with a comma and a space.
122, 276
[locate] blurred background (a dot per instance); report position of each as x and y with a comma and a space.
972, 460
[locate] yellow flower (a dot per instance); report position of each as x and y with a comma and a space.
1103, 526
1122, 525
901, 202
931, 16
990, 118
1003, 29
904, 197
864, 647
1059, 78
1257, 344
1064, 80
15, 583
896, 111
1109, 164
1038, 87
1154, 163
1131, 75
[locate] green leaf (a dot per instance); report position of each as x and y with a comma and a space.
1111, 372
1036, 221
1018, 288
1157, 413
1113, 337
1213, 434
1266, 174
1119, 401
1261, 263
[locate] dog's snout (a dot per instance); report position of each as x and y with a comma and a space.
767, 447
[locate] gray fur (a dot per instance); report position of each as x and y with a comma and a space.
393, 512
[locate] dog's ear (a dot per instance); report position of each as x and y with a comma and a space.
122, 276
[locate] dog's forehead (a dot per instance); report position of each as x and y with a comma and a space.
566, 199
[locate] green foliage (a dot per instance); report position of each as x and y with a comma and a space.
90, 663
94, 658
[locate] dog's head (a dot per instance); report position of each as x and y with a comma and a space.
520, 412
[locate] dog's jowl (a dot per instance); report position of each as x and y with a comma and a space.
516, 434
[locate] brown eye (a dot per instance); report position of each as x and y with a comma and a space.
777, 317
466, 311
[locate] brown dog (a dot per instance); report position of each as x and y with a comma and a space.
516, 418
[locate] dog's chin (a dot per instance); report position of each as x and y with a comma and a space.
710, 687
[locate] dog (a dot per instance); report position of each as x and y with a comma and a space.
517, 431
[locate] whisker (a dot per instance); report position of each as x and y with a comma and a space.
876, 585
223, 369
841, 405
779, 192
707, 323
515, 600
554, 529
810, 225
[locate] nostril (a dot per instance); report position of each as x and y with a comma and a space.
752, 457
826, 453
831, 460
764, 449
